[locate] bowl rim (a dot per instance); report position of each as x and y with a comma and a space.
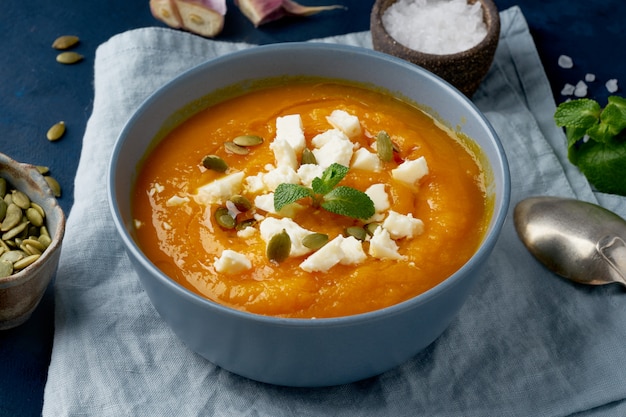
493, 32
31, 171
489, 239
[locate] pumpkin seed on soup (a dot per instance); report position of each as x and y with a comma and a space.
241, 203
356, 232
214, 163
308, 157
232, 147
279, 247
248, 140
315, 240
384, 147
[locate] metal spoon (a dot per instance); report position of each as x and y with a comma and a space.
580, 241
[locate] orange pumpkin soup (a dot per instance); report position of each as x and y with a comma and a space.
431, 207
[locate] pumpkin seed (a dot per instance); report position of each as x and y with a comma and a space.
370, 228
12, 256
8, 198
232, 147
37, 207
315, 240
6, 269
54, 185
56, 132
35, 243
26, 261
241, 203
308, 157
13, 218
34, 217
45, 240
244, 224
278, 247
248, 140
356, 232
224, 219
43, 170
3, 187
15, 231
65, 42
3, 210
69, 58
21, 199
214, 163
384, 147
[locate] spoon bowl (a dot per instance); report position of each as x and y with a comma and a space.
578, 240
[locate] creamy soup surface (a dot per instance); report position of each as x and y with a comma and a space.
431, 207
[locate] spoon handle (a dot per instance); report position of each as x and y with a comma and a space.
613, 250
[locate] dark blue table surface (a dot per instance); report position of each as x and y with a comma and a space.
36, 92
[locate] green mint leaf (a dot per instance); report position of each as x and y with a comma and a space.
577, 116
347, 201
604, 164
330, 178
289, 193
614, 115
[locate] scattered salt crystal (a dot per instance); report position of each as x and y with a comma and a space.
581, 89
436, 26
568, 90
565, 61
611, 85
590, 78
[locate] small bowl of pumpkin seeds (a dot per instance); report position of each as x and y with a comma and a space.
32, 225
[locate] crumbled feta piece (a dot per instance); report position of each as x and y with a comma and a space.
177, 201
378, 195
308, 172
366, 160
218, 191
289, 128
284, 154
231, 262
336, 151
254, 183
246, 233
347, 123
383, 247
265, 202
410, 171
271, 226
156, 188
403, 226
331, 135
352, 251
280, 175
325, 258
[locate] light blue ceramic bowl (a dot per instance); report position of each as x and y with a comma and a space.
300, 352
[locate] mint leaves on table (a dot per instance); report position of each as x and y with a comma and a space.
324, 192
596, 140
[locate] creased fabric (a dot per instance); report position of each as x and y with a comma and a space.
526, 343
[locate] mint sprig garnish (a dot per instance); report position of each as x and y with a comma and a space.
596, 140
342, 200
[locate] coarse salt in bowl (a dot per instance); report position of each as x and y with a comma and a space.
455, 39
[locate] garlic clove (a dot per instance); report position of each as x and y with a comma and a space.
263, 11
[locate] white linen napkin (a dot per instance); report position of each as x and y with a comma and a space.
526, 343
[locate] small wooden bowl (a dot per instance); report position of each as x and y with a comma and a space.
21, 292
464, 70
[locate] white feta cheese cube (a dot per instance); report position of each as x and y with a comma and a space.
378, 195
271, 226
383, 247
308, 172
280, 175
337, 151
403, 226
219, 190
254, 184
410, 171
246, 233
353, 252
331, 135
231, 262
265, 202
347, 123
366, 160
325, 258
284, 154
289, 128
